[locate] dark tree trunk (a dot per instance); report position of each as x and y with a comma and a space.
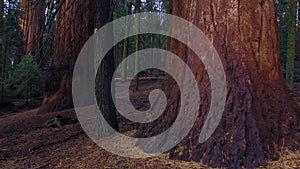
137, 47
1, 29
298, 34
298, 12
1, 25
1, 46
260, 117
106, 70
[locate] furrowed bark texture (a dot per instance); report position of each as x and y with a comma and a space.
260, 117
75, 26
32, 23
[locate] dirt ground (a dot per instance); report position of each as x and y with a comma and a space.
24, 145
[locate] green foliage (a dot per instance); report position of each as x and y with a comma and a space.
291, 43
282, 18
13, 42
24, 80
289, 31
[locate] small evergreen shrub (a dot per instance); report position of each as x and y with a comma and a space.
24, 80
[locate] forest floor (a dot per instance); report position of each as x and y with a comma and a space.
24, 145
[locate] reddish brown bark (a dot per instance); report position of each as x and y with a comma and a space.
76, 22
75, 26
32, 23
260, 117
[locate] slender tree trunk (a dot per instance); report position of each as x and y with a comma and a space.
290, 65
1, 28
298, 13
5, 48
1, 47
126, 42
260, 117
104, 14
298, 33
137, 47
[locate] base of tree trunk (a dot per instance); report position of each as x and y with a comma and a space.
58, 91
58, 102
243, 139
260, 118
254, 129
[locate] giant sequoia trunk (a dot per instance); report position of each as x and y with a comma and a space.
75, 26
259, 118
32, 23
76, 22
